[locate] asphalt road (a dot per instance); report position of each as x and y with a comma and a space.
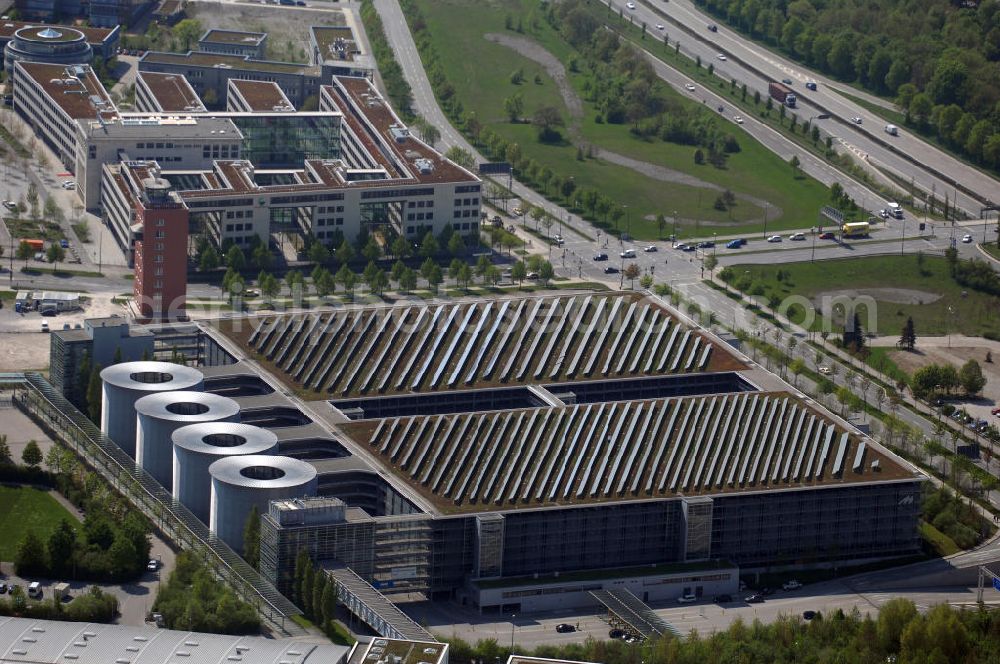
743, 57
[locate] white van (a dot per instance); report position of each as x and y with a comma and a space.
896, 210
35, 590
892, 130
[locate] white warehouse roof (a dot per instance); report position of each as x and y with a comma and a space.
56, 642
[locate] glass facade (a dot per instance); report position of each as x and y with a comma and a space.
284, 140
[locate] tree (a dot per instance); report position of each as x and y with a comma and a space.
5, 459
797, 366
795, 164
908, 338
31, 559
345, 252
302, 562
262, 256
518, 272
972, 378
187, 32
434, 278
55, 255
513, 106
429, 246
32, 454
482, 267
235, 259
854, 335
408, 280
372, 250
710, 262
61, 545
893, 618
456, 245
347, 279
328, 603
546, 272
631, 273
94, 389
251, 538
209, 259
24, 252
318, 253
546, 119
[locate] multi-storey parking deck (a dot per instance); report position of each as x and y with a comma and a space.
621, 450
419, 348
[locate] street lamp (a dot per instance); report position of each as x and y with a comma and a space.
514, 615
673, 240
765, 219
714, 248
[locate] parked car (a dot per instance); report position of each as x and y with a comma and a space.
628, 253
532, 275
153, 565
734, 244
791, 585
967, 239
680, 246
64, 243
811, 85
787, 81
565, 628
616, 634
827, 236
797, 236
825, 371
601, 257
687, 598
808, 615
3, 588
660, 26
651, 249
707, 244
630, 5
68, 184
611, 269
774, 238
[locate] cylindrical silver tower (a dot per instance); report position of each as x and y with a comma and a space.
125, 383
240, 483
159, 415
197, 446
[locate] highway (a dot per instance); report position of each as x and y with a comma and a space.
756, 66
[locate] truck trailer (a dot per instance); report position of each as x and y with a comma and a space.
782, 94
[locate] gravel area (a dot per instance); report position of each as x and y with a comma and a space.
894, 295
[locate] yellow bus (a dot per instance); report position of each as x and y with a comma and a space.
856, 229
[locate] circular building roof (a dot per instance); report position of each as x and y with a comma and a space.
149, 376
257, 471
224, 439
187, 407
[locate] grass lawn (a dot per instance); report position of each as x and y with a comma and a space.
26, 508
974, 314
992, 249
34, 228
879, 358
480, 72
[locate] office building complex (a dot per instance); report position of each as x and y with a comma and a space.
54, 44
517, 466
99, 13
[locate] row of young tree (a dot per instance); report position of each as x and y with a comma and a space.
94, 605
314, 593
895, 632
192, 599
938, 58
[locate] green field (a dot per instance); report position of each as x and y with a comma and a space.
974, 314
480, 70
23, 509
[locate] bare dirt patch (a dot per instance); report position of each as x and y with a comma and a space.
894, 295
957, 356
287, 28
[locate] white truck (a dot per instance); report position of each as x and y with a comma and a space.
892, 130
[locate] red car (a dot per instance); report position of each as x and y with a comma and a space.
996, 411
827, 236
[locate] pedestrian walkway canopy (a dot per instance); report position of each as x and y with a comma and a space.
374, 608
630, 614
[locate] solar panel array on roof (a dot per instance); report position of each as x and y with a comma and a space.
418, 348
613, 450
